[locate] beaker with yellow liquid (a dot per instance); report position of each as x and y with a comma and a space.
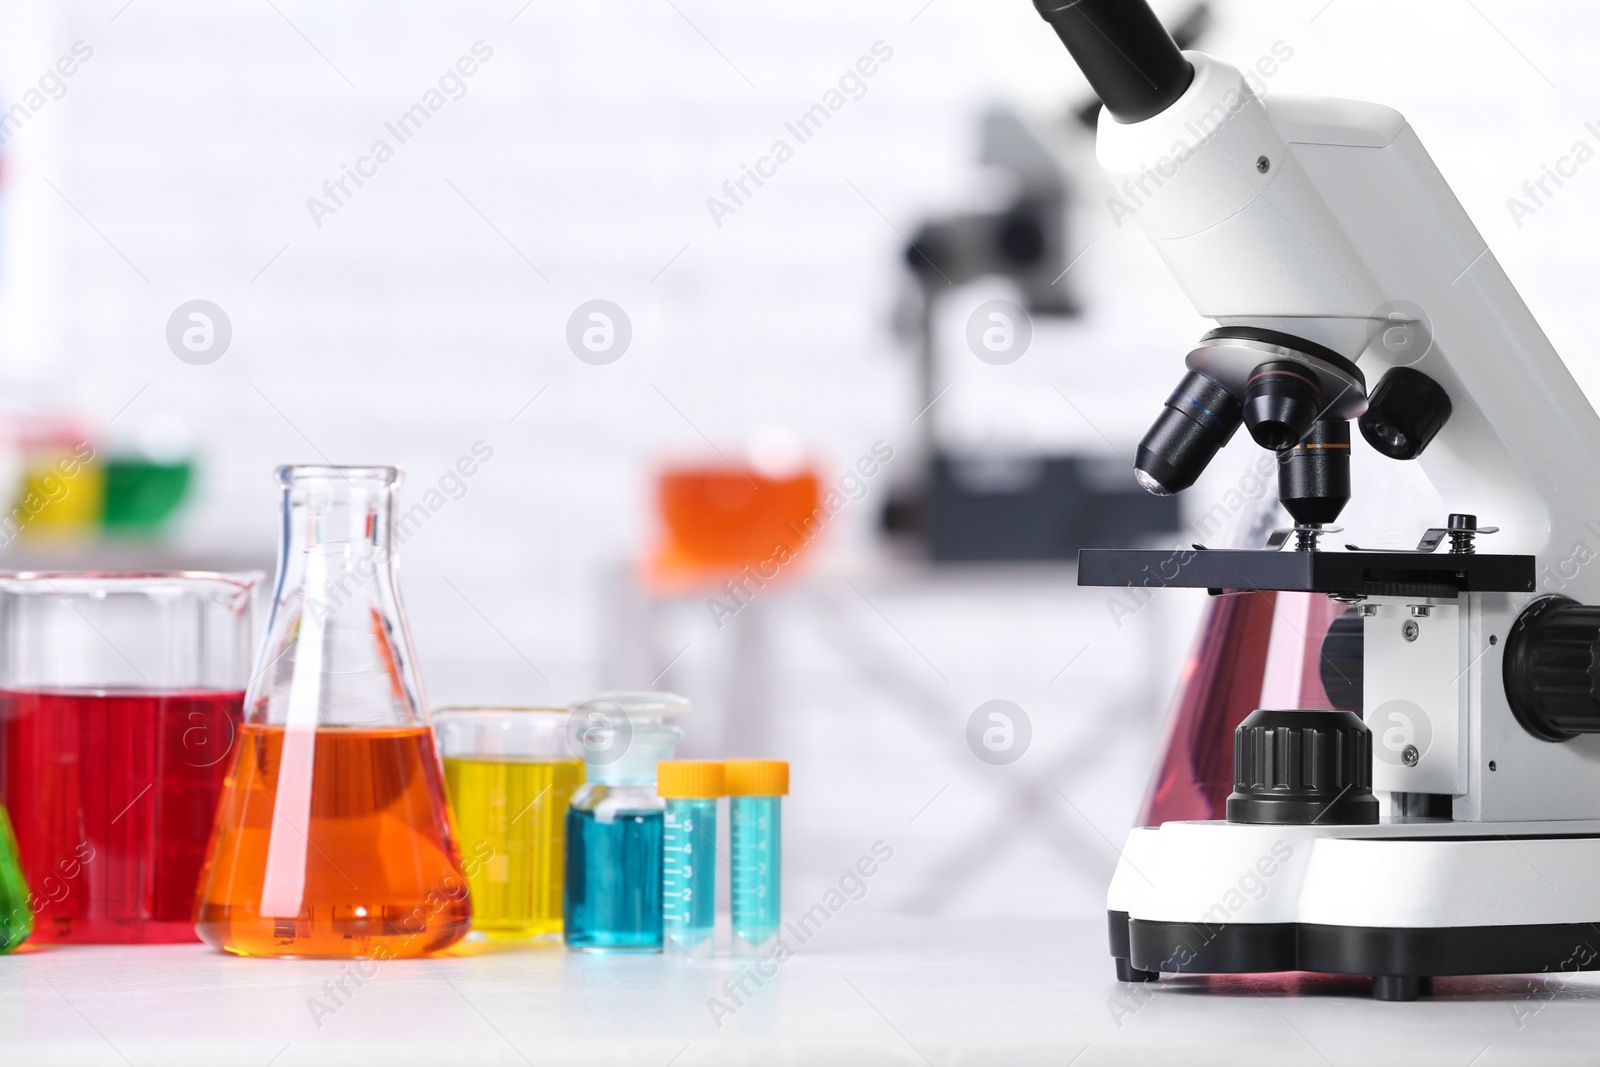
333, 837
510, 777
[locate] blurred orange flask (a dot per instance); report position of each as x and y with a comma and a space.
717, 517
377, 865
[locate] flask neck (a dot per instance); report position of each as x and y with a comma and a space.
338, 650
346, 509
338, 539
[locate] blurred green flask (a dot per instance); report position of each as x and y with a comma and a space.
16, 917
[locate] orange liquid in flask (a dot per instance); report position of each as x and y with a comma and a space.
334, 842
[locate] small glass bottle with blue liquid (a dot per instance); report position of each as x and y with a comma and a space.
614, 824
692, 789
756, 789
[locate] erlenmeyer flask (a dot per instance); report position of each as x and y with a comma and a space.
333, 837
16, 911
1221, 683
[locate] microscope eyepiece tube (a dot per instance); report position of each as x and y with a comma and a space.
1197, 420
1130, 59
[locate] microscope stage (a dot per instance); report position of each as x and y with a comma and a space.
1359, 573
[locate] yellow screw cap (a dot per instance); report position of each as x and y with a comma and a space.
758, 778
688, 779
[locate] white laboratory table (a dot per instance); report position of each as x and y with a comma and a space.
867, 989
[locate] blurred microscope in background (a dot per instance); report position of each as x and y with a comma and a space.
968, 504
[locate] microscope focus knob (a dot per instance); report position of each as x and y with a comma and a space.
1552, 668
1300, 767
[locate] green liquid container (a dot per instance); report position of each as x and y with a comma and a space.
16, 917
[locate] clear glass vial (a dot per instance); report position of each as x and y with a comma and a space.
756, 789
692, 790
614, 825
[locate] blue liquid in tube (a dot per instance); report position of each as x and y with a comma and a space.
689, 876
755, 839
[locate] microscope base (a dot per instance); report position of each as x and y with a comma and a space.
1401, 961
1400, 901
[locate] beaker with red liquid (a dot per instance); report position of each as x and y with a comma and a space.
333, 837
120, 700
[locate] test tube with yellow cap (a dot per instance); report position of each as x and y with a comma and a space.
689, 855
755, 811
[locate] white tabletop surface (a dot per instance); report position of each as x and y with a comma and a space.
867, 989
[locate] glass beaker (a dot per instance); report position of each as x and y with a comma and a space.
333, 837
120, 697
510, 776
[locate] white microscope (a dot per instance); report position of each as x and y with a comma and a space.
1331, 253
